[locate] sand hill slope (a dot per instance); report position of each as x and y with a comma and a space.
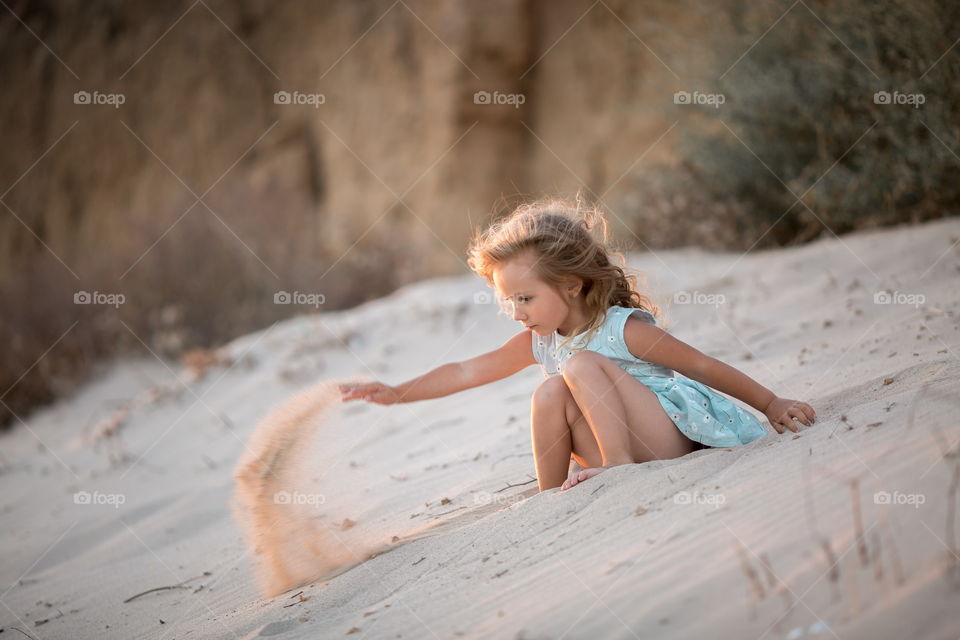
846, 530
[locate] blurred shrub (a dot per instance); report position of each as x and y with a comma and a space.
813, 142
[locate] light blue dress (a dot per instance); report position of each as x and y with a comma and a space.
701, 414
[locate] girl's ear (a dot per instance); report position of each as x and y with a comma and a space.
574, 286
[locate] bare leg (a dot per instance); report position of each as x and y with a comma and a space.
626, 417
558, 430
550, 433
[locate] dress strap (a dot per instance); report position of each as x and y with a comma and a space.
617, 342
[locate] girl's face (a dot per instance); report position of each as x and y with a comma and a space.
534, 303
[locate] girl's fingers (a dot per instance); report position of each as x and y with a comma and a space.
353, 392
800, 417
776, 426
806, 410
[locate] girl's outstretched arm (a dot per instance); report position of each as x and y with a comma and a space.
515, 354
653, 344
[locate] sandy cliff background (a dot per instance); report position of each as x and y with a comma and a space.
200, 158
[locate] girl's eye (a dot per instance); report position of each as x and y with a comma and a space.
523, 299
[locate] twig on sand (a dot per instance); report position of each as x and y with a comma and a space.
877, 564
301, 599
776, 585
768, 571
154, 590
22, 631
832, 565
832, 560
46, 620
181, 585
857, 513
751, 573
858, 522
519, 484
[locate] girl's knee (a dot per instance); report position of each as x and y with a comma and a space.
584, 360
551, 392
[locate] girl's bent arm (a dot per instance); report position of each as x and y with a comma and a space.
515, 354
655, 345
734, 382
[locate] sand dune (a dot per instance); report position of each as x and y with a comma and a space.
845, 530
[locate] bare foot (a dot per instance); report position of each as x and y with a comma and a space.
577, 478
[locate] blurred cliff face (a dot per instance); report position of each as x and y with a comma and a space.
177, 174
181, 166
280, 124
293, 127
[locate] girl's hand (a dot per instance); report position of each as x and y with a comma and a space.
781, 412
375, 392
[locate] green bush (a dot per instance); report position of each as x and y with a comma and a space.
815, 151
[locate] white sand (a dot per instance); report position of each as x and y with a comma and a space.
769, 540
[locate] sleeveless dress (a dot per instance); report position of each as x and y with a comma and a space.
700, 413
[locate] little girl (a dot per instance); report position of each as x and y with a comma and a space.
611, 396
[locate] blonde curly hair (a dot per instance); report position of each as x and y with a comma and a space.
568, 238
